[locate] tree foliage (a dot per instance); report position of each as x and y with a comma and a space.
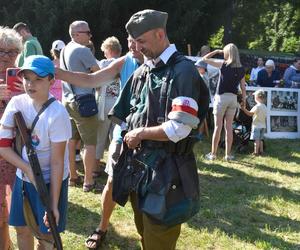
266, 24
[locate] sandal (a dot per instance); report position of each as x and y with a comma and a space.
88, 187
100, 236
76, 181
92, 187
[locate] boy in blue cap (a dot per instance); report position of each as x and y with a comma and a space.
49, 137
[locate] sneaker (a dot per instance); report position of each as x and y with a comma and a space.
78, 158
229, 158
210, 157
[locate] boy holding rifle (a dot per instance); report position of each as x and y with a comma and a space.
49, 134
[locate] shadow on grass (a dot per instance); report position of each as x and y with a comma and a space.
227, 204
283, 150
263, 167
86, 222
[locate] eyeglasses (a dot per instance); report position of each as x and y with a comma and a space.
85, 32
10, 53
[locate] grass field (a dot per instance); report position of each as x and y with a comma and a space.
250, 203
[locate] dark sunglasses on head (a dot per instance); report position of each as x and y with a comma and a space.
10, 53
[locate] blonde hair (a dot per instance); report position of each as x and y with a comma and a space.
9, 37
233, 57
112, 43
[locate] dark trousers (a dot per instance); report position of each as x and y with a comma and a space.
154, 236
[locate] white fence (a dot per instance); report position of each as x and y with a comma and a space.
283, 104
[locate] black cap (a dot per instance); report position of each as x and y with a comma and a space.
146, 20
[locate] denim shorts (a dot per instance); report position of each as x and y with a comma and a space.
16, 217
257, 133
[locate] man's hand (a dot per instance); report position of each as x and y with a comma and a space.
134, 137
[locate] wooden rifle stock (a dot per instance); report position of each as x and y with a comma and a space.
38, 177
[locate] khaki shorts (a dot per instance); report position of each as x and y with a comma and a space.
84, 128
225, 104
113, 156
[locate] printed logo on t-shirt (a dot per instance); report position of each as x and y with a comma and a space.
35, 140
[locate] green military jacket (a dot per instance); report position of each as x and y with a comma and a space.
139, 102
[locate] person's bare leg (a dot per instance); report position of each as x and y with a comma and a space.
228, 133
108, 206
45, 245
218, 121
24, 238
4, 236
261, 147
256, 147
89, 162
72, 154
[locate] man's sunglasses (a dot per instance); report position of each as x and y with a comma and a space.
86, 32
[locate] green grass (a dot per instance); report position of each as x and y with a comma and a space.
250, 203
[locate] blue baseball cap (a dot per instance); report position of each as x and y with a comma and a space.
40, 65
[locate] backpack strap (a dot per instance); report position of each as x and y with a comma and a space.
44, 107
165, 91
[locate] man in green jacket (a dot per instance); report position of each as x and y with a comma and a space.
31, 43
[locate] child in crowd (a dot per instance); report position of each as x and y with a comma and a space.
56, 88
49, 138
259, 114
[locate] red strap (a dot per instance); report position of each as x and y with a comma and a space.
5, 143
184, 108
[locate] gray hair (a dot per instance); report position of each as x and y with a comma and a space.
77, 25
9, 37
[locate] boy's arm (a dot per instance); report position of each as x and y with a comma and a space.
13, 158
247, 112
57, 170
10, 155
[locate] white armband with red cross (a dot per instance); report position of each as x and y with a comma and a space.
185, 110
6, 137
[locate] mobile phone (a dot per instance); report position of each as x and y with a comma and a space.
11, 77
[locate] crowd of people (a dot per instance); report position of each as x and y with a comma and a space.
266, 75
140, 103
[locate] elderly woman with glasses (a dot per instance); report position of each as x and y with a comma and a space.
269, 76
10, 47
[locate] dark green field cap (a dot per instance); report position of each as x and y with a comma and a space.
146, 20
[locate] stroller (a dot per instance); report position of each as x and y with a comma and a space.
241, 130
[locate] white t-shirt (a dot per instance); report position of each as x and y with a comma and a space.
259, 117
254, 72
53, 126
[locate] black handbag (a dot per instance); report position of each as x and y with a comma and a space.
86, 105
127, 174
169, 190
